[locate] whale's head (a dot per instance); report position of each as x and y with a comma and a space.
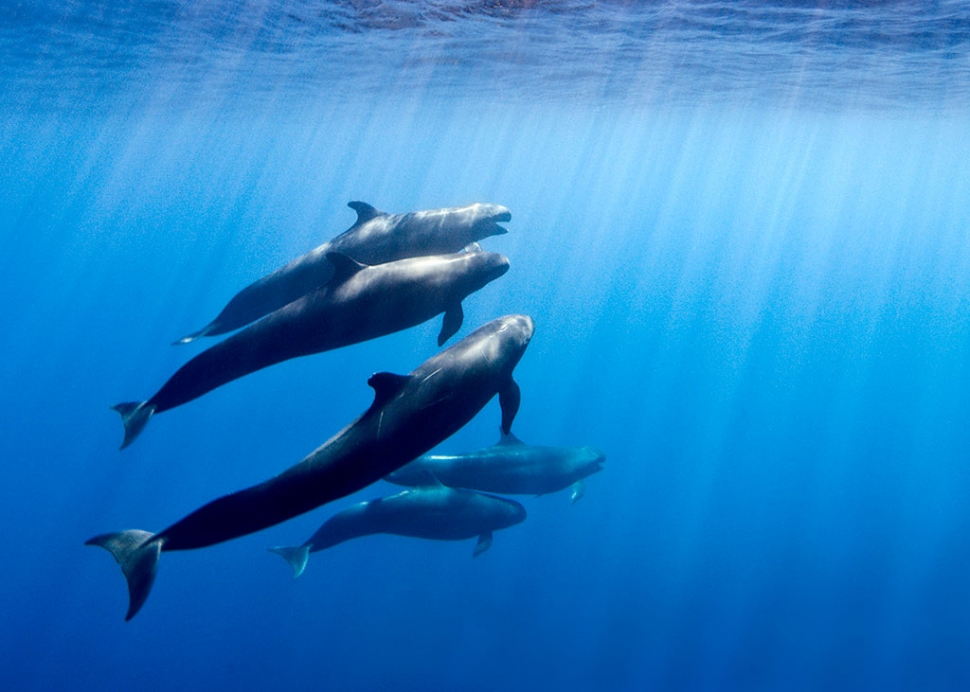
510, 512
512, 335
588, 460
492, 351
480, 268
484, 219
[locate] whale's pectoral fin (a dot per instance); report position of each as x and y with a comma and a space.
579, 489
509, 399
138, 554
473, 247
386, 386
296, 555
365, 212
344, 267
135, 415
454, 316
484, 543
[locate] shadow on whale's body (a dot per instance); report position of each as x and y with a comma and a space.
410, 415
359, 303
375, 238
434, 512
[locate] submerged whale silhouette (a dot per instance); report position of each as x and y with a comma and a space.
359, 303
509, 467
410, 415
436, 512
375, 238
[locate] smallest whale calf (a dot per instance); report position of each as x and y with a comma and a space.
435, 512
509, 467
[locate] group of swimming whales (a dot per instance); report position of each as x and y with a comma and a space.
388, 272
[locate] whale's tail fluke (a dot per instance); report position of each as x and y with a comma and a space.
297, 556
135, 415
138, 554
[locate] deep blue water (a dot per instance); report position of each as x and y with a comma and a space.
742, 229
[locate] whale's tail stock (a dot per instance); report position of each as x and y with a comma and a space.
135, 415
137, 552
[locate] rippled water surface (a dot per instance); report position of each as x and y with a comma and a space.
821, 53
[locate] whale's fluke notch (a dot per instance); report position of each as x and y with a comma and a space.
451, 323
509, 400
138, 555
365, 212
484, 543
344, 267
296, 555
134, 415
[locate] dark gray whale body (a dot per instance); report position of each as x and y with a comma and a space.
359, 303
410, 415
509, 467
375, 238
435, 512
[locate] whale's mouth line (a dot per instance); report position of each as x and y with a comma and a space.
492, 227
492, 223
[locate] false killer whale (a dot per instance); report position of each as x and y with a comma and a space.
410, 414
510, 467
375, 238
436, 512
359, 303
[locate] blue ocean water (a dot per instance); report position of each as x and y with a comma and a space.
741, 229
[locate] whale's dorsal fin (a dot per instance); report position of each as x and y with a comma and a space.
386, 386
507, 438
430, 480
365, 212
344, 267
